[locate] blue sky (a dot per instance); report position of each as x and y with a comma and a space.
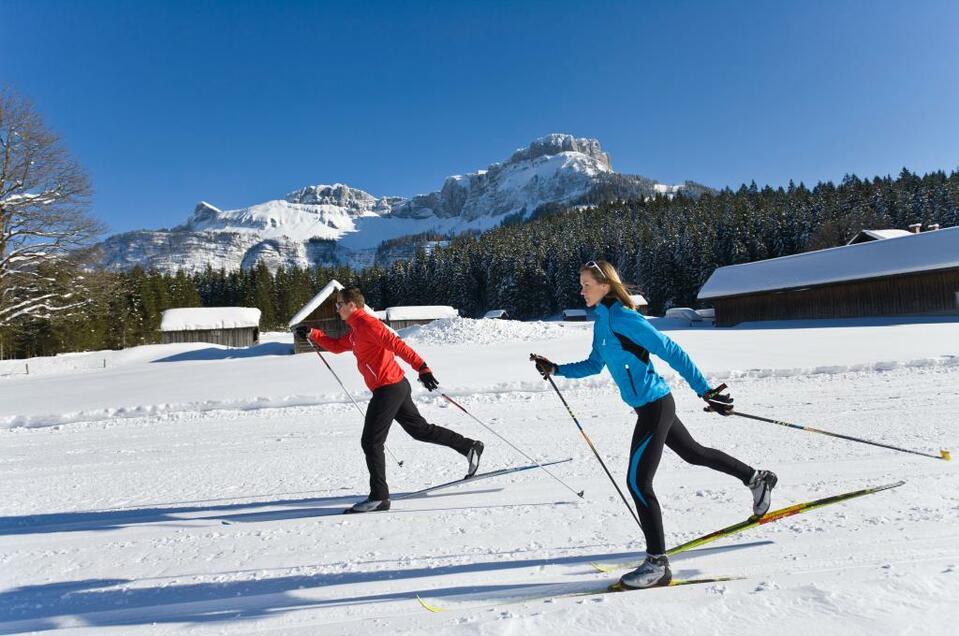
166, 104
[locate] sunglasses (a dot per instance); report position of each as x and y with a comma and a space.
595, 265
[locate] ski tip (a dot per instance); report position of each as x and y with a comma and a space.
427, 606
943, 453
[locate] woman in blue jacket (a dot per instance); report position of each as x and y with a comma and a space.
622, 341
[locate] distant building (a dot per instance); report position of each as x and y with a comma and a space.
496, 314
229, 326
907, 274
864, 236
574, 315
641, 305
401, 317
319, 313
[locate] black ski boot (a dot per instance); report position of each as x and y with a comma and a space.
368, 505
473, 457
761, 485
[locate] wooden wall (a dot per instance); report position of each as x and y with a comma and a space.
243, 337
323, 317
923, 293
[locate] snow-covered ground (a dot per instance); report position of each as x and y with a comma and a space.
198, 488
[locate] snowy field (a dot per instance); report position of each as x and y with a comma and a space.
196, 488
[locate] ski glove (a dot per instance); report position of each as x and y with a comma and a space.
718, 401
544, 366
303, 331
427, 378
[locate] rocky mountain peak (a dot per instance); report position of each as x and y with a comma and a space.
558, 142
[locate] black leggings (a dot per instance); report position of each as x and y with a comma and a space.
658, 426
393, 402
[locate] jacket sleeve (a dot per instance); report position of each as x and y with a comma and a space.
636, 328
590, 366
333, 345
392, 342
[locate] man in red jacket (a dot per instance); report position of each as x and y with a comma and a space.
374, 345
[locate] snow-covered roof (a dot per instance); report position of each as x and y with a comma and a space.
422, 312
927, 251
683, 313
876, 235
638, 300
495, 313
315, 302
574, 313
194, 318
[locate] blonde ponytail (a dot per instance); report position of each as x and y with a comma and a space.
603, 272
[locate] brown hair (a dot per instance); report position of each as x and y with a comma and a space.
603, 272
353, 295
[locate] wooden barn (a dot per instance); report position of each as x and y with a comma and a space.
229, 326
409, 316
642, 306
319, 313
910, 274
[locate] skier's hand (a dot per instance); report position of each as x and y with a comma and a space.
302, 331
544, 366
427, 379
718, 401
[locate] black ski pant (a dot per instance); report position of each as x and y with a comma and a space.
657, 426
393, 402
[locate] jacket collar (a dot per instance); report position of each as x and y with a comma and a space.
356, 316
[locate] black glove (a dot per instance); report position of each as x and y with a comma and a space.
427, 378
544, 366
302, 331
718, 401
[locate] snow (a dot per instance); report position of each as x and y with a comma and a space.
192, 318
420, 312
197, 488
315, 302
683, 313
903, 255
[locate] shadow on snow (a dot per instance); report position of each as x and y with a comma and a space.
107, 602
101, 520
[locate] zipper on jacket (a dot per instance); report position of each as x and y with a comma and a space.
631, 383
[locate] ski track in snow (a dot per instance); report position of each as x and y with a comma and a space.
226, 519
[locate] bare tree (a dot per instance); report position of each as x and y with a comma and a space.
44, 198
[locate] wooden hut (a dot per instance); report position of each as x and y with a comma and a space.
575, 315
910, 274
401, 317
319, 313
642, 305
230, 326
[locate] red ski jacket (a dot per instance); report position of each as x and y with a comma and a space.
373, 344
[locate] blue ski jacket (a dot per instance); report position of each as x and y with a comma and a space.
622, 341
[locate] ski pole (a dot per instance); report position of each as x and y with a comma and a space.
349, 395
943, 453
513, 446
592, 447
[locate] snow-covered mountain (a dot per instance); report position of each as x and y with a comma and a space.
326, 224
